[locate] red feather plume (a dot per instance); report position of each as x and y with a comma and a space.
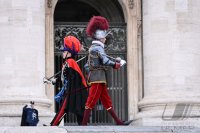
96, 22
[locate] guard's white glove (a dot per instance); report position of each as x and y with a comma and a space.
122, 62
46, 81
119, 60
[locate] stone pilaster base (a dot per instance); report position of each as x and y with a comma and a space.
11, 110
185, 115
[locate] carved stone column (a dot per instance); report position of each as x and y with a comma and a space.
49, 44
171, 57
22, 65
132, 13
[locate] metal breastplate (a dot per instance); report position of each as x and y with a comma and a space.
94, 61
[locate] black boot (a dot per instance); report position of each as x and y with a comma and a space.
117, 120
79, 119
114, 116
127, 122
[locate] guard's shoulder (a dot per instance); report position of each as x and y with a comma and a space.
96, 48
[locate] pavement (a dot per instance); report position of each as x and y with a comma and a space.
98, 129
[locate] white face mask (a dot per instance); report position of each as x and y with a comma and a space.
65, 54
103, 40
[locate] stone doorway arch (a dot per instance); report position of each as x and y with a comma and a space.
83, 10
132, 16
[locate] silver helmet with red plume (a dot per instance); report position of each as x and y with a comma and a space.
97, 27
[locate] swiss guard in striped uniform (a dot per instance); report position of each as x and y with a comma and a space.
73, 94
96, 69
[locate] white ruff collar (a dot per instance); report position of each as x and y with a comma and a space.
98, 42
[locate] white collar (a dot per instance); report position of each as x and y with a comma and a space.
98, 42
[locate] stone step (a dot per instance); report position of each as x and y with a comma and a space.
98, 129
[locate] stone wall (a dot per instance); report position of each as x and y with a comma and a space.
22, 64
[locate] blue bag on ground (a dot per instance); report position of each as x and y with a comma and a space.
32, 117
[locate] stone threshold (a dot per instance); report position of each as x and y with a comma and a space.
99, 129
